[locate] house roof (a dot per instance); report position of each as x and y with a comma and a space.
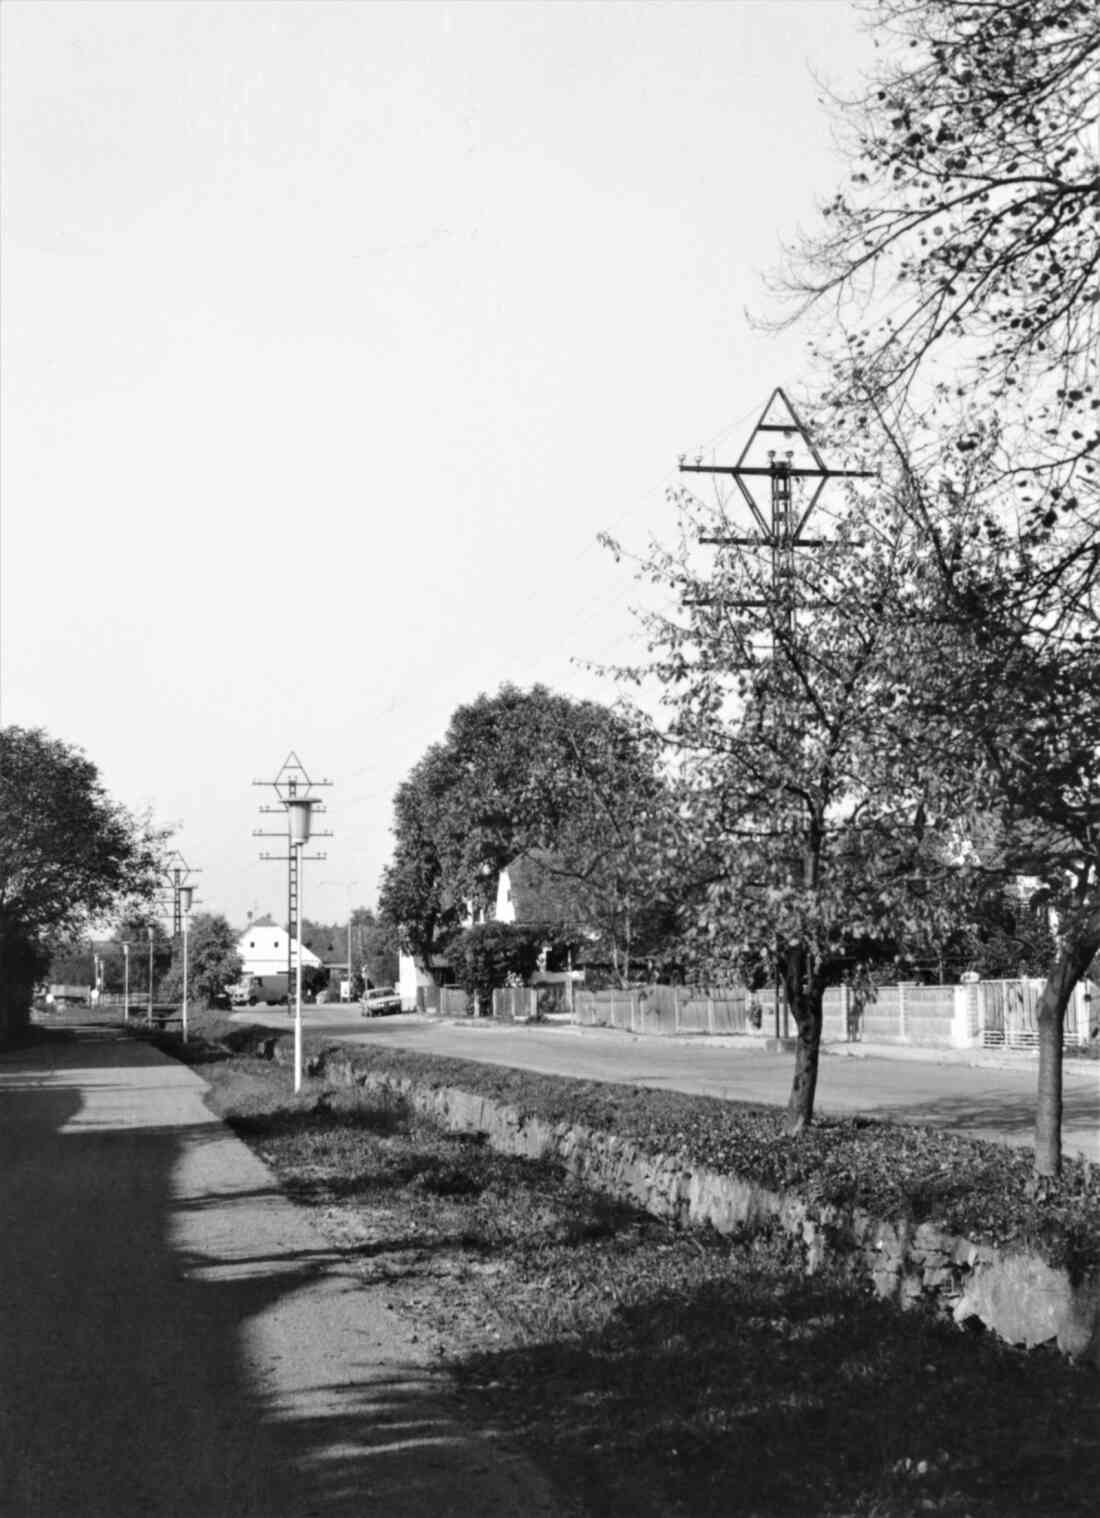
267, 943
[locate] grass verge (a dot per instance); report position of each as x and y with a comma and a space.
985, 1192
651, 1371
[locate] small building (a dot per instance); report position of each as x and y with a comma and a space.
266, 949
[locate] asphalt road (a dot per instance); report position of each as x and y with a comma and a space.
990, 1101
177, 1340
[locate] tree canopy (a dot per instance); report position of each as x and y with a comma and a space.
1012, 684
69, 854
516, 772
877, 752
818, 839
958, 268
964, 250
374, 947
213, 962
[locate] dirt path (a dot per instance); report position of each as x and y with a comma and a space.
178, 1338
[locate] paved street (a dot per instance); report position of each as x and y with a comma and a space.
176, 1338
983, 1100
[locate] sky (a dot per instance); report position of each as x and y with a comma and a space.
332, 336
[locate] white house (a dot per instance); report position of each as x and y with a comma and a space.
528, 893
264, 949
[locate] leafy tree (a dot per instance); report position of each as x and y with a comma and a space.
134, 930
213, 962
1010, 683
1016, 943
816, 837
963, 259
493, 954
517, 772
621, 901
965, 246
374, 946
375, 949
412, 898
610, 847
68, 855
69, 961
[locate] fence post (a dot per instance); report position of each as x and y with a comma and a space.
675, 1009
960, 1020
710, 1011
903, 1027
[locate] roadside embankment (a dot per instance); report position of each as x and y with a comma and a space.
919, 1215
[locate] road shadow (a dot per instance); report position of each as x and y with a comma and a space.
784, 1397
1002, 1112
128, 1383
122, 1389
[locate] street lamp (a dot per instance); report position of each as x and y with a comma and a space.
126, 983
186, 894
299, 810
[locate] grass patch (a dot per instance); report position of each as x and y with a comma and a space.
977, 1190
652, 1371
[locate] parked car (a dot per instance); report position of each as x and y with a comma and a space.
379, 1000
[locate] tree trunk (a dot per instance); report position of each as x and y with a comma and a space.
1071, 964
21, 964
805, 995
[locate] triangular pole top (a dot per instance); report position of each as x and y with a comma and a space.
778, 418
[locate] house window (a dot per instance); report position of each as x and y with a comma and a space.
251, 943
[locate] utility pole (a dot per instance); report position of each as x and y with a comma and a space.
347, 884
186, 894
291, 783
178, 875
781, 532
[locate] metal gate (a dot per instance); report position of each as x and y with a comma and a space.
1007, 1011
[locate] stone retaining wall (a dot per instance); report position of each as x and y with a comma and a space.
1016, 1295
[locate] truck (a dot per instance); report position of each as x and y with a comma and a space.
250, 990
69, 996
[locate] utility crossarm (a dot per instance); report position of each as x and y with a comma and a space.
759, 542
767, 469
292, 785
783, 534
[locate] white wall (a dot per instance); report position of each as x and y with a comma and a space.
263, 948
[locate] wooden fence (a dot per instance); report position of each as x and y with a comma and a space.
988, 1014
984, 1014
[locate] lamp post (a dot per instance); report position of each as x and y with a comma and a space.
299, 817
126, 983
185, 894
